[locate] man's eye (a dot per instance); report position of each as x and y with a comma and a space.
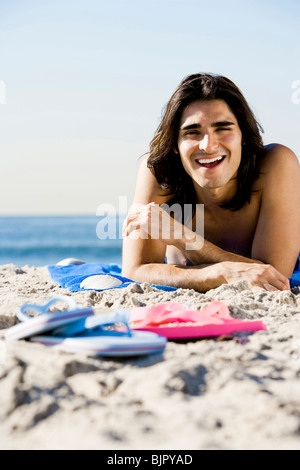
224, 129
192, 133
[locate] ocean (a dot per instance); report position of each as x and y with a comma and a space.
45, 240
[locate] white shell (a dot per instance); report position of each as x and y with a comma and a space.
101, 282
69, 261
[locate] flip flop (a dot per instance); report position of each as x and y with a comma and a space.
90, 336
46, 321
173, 321
79, 330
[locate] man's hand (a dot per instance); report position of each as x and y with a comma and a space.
151, 221
258, 276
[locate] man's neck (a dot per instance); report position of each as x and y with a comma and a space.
214, 198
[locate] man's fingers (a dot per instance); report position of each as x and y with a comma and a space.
279, 280
269, 287
271, 284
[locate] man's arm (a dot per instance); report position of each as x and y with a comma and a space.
143, 257
143, 261
277, 236
156, 223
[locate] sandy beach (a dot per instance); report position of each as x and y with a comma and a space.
238, 393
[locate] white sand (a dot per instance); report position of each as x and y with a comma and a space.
206, 394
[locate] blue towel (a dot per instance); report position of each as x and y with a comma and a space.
70, 277
295, 279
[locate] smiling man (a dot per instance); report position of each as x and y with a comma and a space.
208, 152
210, 145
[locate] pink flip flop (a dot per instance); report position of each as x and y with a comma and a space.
174, 321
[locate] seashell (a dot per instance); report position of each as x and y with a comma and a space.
69, 262
100, 282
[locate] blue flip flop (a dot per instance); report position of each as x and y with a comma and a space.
79, 330
107, 335
45, 320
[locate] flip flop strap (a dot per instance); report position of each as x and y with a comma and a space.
43, 309
95, 324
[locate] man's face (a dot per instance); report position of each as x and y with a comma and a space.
210, 143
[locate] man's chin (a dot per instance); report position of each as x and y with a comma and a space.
212, 184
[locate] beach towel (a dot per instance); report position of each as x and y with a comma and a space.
73, 276
295, 279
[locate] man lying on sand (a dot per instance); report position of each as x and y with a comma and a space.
208, 151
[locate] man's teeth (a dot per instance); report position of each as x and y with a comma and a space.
209, 160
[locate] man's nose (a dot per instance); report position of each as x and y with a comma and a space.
208, 143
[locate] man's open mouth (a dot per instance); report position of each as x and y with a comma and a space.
210, 162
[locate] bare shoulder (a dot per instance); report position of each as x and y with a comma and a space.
278, 163
279, 169
277, 156
147, 187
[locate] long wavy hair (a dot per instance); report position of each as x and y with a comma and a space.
165, 162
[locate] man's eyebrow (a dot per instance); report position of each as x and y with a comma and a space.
222, 124
190, 126
214, 124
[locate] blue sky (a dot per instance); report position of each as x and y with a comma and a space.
86, 82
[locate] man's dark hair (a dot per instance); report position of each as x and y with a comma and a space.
165, 162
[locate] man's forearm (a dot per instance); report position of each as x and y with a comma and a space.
203, 278
200, 251
200, 278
